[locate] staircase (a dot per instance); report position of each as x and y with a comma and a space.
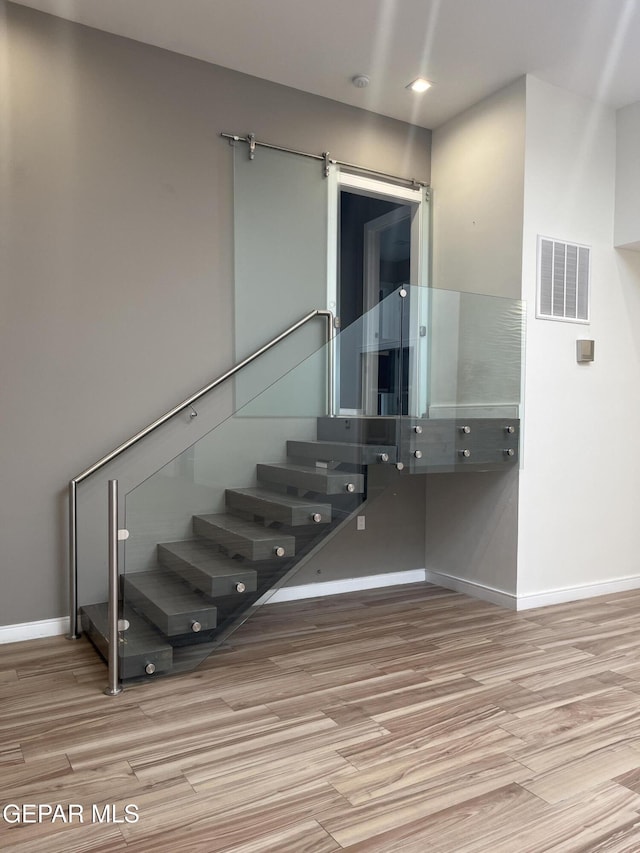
203, 588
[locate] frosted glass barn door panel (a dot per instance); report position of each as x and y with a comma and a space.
280, 222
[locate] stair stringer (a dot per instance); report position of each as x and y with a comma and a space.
305, 558
386, 471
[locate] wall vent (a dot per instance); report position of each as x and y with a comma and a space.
563, 280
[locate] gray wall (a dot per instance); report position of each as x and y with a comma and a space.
393, 540
478, 196
478, 192
116, 258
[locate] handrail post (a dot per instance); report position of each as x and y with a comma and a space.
114, 681
331, 365
73, 562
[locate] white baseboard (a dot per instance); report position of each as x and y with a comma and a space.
315, 590
472, 589
531, 600
575, 593
34, 630
59, 627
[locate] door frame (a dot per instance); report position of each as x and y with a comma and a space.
377, 188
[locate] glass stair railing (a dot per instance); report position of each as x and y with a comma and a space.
217, 530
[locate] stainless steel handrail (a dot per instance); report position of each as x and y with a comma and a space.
73, 484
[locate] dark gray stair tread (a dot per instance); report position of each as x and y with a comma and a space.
247, 538
322, 480
200, 565
341, 451
168, 602
142, 644
274, 506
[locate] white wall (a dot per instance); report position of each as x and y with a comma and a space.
534, 159
579, 496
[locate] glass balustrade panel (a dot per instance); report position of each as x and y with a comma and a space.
434, 378
465, 356
222, 526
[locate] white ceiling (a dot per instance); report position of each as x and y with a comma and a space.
469, 48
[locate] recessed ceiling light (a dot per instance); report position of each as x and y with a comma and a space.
419, 85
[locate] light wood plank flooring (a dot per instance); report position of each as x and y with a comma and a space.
410, 720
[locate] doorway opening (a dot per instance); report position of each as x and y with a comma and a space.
374, 261
378, 252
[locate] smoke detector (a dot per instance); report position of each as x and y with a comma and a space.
360, 81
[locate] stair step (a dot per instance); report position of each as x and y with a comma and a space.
168, 602
201, 566
246, 538
323, 481
141, 647
273, 506
342, 451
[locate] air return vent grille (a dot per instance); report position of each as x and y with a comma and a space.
563, 280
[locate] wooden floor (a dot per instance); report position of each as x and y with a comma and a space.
413, 720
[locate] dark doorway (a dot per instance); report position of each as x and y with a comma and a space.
374, 261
